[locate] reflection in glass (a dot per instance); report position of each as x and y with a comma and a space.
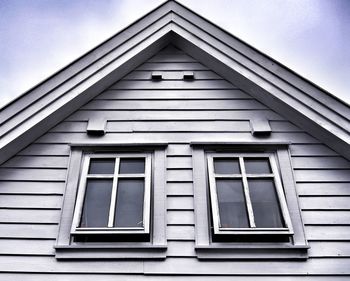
226, 166
232, 207
102, 166
129, 205
264, 199
257, 165
132, 166
96, 203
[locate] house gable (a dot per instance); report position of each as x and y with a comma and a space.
322, 115
177, 112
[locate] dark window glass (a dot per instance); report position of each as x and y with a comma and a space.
232, 206
129, 206
132, 166
257, 165
264, 199
96, 203
226, 166
102, 166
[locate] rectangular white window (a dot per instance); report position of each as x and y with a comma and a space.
246, 194
114, 195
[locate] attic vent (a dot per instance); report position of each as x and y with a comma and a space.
188, 75
260, 127
96, 126
157, 75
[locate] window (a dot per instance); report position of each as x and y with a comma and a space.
246, 202
114, 196
246, 194
114, 203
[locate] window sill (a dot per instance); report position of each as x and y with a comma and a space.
252, 251
116, 251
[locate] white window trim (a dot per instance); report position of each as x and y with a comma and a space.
76, 230
205, 247
244, 177
66, 248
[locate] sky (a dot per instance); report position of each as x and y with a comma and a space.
39, 37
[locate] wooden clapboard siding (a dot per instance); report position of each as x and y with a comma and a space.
141, 110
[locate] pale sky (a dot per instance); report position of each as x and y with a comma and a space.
39, 37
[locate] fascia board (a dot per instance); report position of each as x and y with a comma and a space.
103, 62
55, 80
81, 92
263, 60
283, 90
263, 89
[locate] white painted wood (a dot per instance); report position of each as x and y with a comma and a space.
173, 105
28, 216
167, 94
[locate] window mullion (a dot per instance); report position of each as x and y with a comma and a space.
114, 194
246, 194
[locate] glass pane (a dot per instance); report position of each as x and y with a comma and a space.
232, 206
226, 166
102, 166
132, 166
96, 203
257, 165
265, 203
129, 206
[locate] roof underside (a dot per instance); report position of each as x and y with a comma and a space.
319, 113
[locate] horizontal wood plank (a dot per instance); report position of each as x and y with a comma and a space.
159, 126
327, 233
180, 217
180, 233
172, 66
44, 174
27, 247
144, 115
31, 201
28, 216
311, 150
171, 75
46, 149
179, 175
324, 188
176, 105
326, 217
320, 163
166, 94
325, 203
322, 175
180, 203
180, 188
17, 187
37, 162
28, 231
194, 266
187, 137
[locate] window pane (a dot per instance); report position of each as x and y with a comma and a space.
96, 203
226, 166
257, 165
265, 203
102, 166
232, 206
132, 166
129, 206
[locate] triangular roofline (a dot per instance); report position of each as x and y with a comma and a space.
42, 107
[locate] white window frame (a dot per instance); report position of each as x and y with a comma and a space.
288, 230
152, 246
110, 229
231, 246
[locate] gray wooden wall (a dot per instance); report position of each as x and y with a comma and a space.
138, 109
